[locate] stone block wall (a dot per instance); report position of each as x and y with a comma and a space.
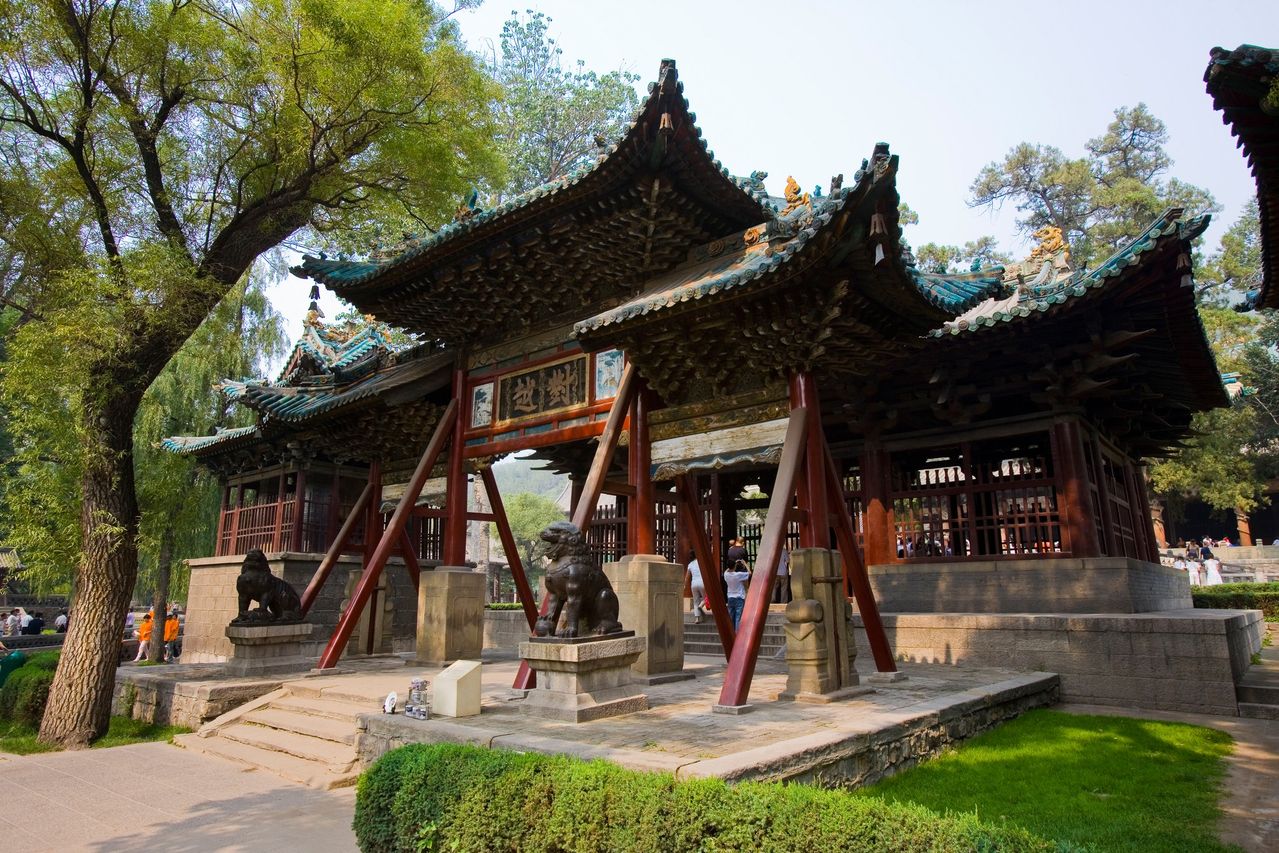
1175, 661
1057, 585
504, 630
159, 698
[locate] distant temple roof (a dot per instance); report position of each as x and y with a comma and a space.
343, 382
1240, 82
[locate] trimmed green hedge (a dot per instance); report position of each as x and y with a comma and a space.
25, 693
427, 797
1240, 596
504, 605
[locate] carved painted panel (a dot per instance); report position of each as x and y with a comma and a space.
542, 390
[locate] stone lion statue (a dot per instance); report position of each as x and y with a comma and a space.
277, 601
576, 586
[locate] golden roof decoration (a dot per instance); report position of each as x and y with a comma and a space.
795, 197
1051, 244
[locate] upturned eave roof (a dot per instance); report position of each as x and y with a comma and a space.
437, 273
1239, 81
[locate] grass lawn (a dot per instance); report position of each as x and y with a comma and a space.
1089, 783
21, 739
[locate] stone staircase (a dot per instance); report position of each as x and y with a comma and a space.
295, 732
703, 639
1258, 690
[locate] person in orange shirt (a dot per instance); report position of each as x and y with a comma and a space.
143, 633
171, 626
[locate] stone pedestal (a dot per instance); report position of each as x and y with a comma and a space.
372, 634
820, 648
583, 680
450, 616
650, 597
260, 649
456, 692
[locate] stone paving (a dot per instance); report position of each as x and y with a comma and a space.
679, 730
156, 797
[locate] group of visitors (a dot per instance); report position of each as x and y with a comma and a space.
18, 622
736, 577
145, 632
1199, 563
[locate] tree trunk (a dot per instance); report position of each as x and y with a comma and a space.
79, 707
160, 598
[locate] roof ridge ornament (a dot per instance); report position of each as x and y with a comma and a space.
795, 197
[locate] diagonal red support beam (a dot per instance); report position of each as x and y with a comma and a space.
594, 485
855, 574
741, 666
410, 558
390, 538
510, 547
335, 550
686, 498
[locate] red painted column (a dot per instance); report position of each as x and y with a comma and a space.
299, 509
456, 496
218, 549
815, 531
879, 536
641, 522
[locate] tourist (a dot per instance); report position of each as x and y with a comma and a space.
736, 579
1192, 550
1224, 542
171, 627
737, 553
12, 623
60, 623
1212, 571
1192, 570
143, 633
781, 589
698, 587
35, 625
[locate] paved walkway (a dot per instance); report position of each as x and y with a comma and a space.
1250, 794
155, 796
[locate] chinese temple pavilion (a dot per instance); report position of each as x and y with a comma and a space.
663, 331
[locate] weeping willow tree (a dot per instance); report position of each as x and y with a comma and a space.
190, 138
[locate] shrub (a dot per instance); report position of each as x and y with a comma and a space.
504, 605
44, 660
449, 797
1240, 596
23, 697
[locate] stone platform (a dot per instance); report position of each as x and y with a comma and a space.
1178, 660
849, 743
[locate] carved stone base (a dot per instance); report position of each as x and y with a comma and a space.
260, 649
582, 681
824, 698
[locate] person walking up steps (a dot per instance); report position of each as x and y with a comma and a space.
736, 578
698, 587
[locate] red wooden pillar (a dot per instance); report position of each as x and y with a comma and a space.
372, 536
1077, 495
741, 666
879, 537
691, 512
218, 548
641, 517
233, 545
1143, 523
815, 531
457, 493
299, 509
334, 521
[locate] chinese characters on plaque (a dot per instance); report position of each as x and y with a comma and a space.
542, 390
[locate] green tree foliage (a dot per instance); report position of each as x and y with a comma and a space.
1235, 450
553, 118
1099, 200
190, 138
937, 258
528, 515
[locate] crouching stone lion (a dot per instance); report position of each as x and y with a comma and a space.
576, 586
277, 600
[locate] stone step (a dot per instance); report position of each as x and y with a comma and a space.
1259, 711
1262, 694
316, 707
336, 757
765, 651
281, 764
310, 725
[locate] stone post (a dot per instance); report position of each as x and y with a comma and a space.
450, 615
650, 597
820, 649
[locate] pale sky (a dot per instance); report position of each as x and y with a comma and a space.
808, 88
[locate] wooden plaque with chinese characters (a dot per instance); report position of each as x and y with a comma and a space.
542, 390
